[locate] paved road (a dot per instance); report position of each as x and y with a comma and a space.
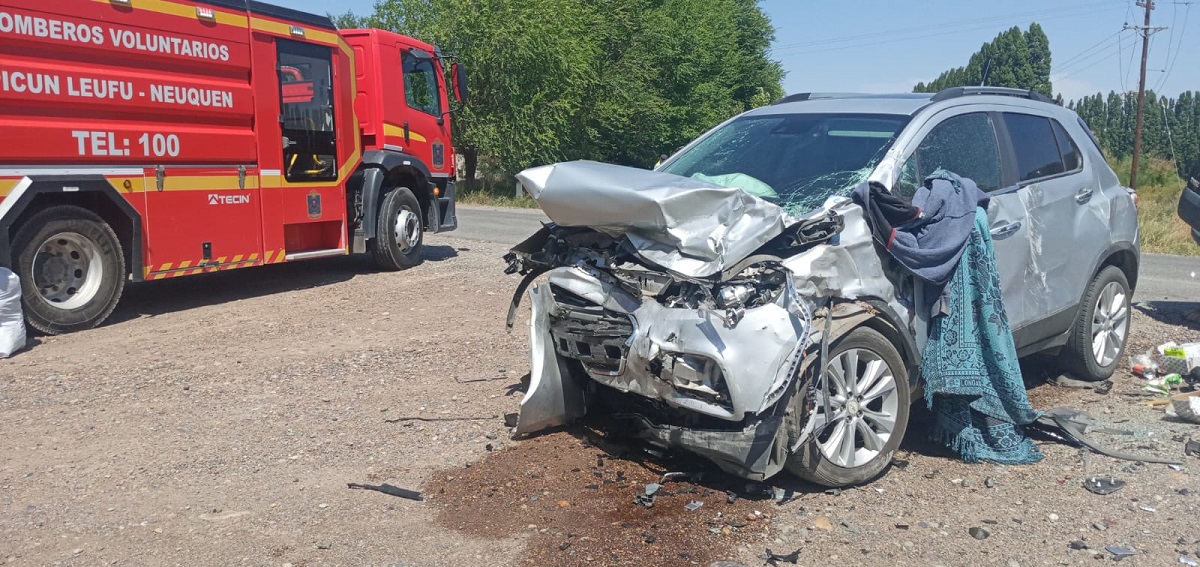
1163, 277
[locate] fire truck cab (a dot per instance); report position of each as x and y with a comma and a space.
151, 140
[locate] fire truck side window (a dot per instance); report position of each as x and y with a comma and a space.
420, 84
306, 96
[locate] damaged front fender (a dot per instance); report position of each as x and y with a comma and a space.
555, 396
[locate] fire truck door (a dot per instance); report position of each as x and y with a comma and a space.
426, 132
201, 219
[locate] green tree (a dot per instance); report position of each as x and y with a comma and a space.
611, 80
1171, 128
1013, 59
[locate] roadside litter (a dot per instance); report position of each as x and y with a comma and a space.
1103, 485
458, 418
1120, 553
1184, 407
12, 321
1069, 426
773, 558
389, 490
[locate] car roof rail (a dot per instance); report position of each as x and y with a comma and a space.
955, 92
800, 97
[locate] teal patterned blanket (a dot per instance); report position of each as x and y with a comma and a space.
973, 382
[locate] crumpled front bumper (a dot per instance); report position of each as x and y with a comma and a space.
729, 377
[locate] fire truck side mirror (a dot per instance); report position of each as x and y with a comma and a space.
458, 78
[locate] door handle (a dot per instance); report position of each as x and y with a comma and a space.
1005, 231
1084, 195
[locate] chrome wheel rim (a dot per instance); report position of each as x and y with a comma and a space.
67, 270
408, 230
1110, 323
863, 404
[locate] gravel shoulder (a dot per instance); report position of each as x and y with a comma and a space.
218, 419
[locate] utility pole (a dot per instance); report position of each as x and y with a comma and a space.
1146, 30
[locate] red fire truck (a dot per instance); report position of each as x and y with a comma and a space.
151, 139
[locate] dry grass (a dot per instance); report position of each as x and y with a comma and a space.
1159, 186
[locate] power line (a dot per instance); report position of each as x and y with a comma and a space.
1103, 59
1170, 44
1096, 58
1182, 40
1128, 69
1097, 44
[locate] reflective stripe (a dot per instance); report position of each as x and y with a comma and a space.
13, 196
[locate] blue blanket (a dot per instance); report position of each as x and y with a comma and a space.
973, 382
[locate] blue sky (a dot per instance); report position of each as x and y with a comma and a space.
884, 45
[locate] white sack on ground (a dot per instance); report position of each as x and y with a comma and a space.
12, 321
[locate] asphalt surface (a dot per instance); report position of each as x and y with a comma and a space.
1163, 277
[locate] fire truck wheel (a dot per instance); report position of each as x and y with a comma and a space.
72, 268
397, 244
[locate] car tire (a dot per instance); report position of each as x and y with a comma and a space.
1099, 336
399, 232
72, 269
827, 459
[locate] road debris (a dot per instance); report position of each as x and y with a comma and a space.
12, 321
1104, 387
693, 505
1103, 485
1188, 561
455, 418
1120, 553
773, 558
1078, 545
389, 490
1068, 425
979, 533
1185, 408
510, 419
1191, 448
681, 477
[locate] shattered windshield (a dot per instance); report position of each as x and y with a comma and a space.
796, 161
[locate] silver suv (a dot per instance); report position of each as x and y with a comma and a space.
689, 304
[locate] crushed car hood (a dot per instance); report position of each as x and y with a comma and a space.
684, 225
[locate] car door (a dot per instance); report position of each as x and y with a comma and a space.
1064, 243
966, 142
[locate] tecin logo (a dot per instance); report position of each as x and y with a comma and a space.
214, 199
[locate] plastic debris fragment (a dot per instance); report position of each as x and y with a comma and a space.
1120, 553
773, 558
1103, 485
693, 505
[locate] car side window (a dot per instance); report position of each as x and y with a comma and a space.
964, 144
1033, 142
1071, 157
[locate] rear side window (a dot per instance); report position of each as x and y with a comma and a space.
1091, 135
1071, 158
965, 145
1036, 149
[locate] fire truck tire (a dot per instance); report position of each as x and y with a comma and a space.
399, 237
72, 268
